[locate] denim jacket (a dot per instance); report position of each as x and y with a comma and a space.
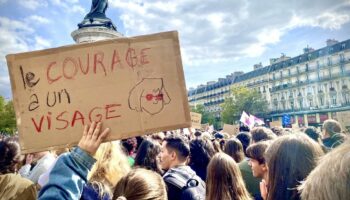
68, 176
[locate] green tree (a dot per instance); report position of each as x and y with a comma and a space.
207, 117
243, 99
7, 117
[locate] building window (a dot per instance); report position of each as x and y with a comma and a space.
343, 46
321, 100
310, 102
329, 61
334, 99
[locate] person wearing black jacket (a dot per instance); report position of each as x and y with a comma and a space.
182, 182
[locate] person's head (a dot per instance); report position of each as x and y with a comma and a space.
175, 151
312, 133
140, 184
331, 178
278, 131
224, 179
159, 137
111, 165
148, 155
218, 136
233, 147
289, 160
201, 151
245, 138
129, 145
217, 146
197, 134
10, 152
330, 128
256, 153
261, 134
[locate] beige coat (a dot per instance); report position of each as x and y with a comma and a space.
13, 187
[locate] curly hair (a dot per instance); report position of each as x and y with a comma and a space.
10, 155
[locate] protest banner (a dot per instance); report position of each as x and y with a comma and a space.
231, 129
134, 85
344, 119
205, 127
196, 119
275, 124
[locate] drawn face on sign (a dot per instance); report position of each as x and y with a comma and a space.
149, 95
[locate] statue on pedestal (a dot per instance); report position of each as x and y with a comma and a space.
97, 17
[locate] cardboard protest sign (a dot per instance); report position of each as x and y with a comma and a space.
134, 85
196, 119
275, 124
205, 127
344, 119
231, 129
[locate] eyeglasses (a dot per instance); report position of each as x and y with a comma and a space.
158, 97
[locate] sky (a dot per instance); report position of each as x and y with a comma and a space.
217, 37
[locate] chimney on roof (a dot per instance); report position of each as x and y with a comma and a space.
258, 66
308, 49
331, 42
280, 59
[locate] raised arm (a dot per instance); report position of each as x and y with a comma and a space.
69, 174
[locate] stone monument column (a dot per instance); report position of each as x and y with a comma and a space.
95, 25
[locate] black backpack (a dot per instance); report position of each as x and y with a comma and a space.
192, 188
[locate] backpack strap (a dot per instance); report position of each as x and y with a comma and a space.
176, 180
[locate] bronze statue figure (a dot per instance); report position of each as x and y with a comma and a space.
97, 16
98, 9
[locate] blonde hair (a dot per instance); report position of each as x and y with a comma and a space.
224, 179
141, 184
111, 165
331, 178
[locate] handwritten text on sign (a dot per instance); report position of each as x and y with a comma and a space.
133, 85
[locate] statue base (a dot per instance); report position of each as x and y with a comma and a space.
93, 34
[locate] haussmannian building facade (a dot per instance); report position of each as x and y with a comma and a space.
310, 88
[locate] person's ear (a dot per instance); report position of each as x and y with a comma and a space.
173, 155
264, 167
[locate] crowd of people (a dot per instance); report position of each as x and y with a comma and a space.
262, 163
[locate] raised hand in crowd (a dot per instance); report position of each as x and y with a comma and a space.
92, 138
61, 184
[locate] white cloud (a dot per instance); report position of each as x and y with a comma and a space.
226, 30
3, 1
16, 36
41, 43
39, 19
33, 4
71, 6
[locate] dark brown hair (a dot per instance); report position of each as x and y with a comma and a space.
233, 147
179, 144
10, 155
257, 151
262, 133
147, 156
290, 159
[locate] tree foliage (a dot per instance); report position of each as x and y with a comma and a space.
207, 117
7, 117
243, 99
